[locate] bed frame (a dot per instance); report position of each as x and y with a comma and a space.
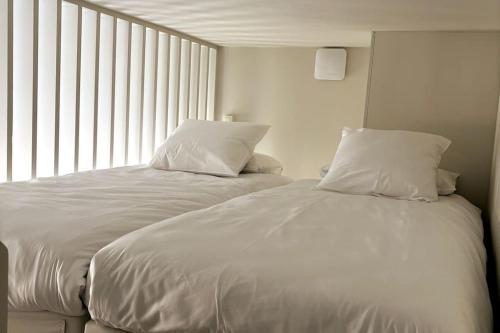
93, 327
45, 322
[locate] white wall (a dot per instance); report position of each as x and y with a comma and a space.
275, 86
445, 83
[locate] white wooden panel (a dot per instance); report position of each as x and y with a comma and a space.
149, 95
202, 86
113, 97
173, 85
194, 80
87, 87
68, 87
135, 94
57, 111
47, 31
22, 84
120, 92
104, 110
161, 90
96, 90
3, 90
184, 80
212, 63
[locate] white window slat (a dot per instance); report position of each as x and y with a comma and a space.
135, 94
185, 63
87, 89
68, 87
149, 95
22, 89
161, 90
173, 85
212, 64
194, 80
47, 34
104, 91
120, 92
202, 84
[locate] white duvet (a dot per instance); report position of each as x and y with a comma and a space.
293, 259
53, 226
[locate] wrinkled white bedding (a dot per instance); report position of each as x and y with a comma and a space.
53, 226
292, 259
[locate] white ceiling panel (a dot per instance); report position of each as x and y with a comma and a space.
308, 23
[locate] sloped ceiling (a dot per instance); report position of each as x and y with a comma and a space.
309, 23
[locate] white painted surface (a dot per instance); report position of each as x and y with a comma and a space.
443, 83
276, 86
309, 23
68, 88
46, 87
22, 85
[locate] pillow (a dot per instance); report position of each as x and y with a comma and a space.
446, 181
260, 163
209, 147
399, 164
324, 170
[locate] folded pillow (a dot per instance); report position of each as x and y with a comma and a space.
209, 147
324, 170
399, 164
261, 163
446, 181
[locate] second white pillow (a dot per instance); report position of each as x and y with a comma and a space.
261, 163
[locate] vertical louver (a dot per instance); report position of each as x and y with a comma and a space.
84, 87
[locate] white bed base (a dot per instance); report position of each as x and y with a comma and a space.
93, 327
45, 322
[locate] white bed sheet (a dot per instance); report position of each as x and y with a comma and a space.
293, 259
53, 226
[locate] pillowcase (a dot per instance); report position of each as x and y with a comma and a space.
399, 164
209, 147
446, 181
324, 170
261, 163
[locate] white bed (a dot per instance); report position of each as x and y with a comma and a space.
294, 259
53, 226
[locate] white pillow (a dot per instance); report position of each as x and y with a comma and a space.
260, 163
446, 181
324, 170
393, 163
209, 147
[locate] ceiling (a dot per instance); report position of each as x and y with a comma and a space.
308, 22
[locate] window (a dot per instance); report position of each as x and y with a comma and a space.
92, 88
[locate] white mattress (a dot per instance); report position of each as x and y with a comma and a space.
53, 226
293, 259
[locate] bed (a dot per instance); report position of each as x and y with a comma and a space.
53, 226
298, 259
